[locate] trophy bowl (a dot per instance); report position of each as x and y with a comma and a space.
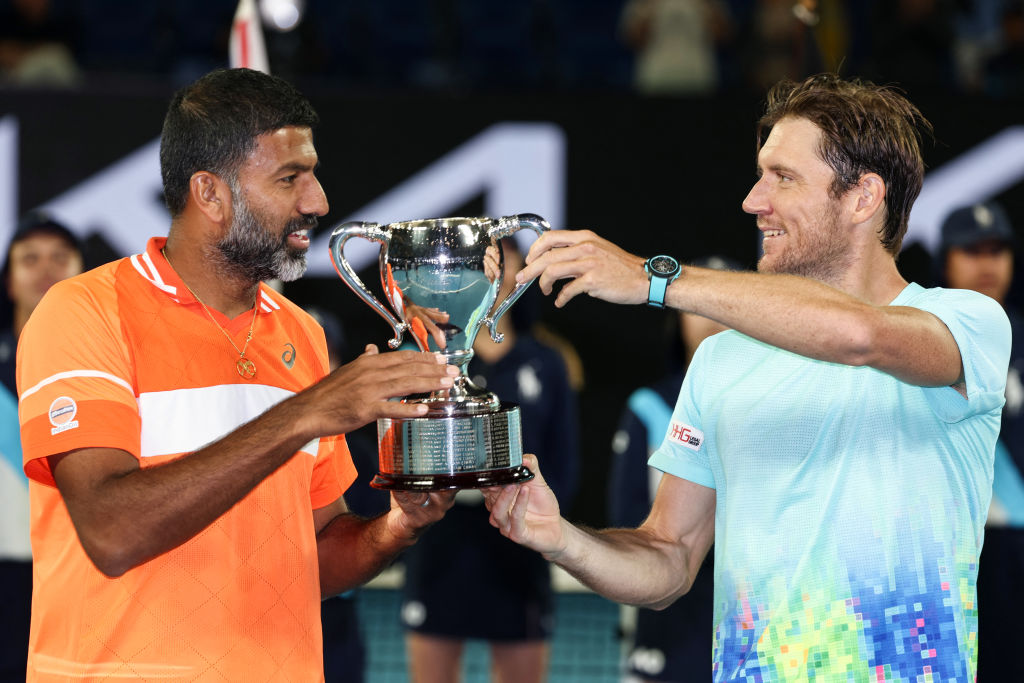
441, 277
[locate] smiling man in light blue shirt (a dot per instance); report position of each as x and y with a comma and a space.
836, 445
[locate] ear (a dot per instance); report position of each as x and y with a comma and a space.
868, 198
211, 195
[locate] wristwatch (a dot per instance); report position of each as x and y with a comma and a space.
661, 270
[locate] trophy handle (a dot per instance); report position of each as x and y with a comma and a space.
374, 233
506, 226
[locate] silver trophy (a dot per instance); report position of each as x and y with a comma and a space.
442, 277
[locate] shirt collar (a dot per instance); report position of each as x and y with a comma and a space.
153, 266
155, 269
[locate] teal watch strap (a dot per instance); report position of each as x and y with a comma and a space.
661, 271
656, 294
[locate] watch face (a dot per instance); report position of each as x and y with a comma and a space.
663, 265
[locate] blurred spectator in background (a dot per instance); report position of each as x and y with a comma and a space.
42, 252
1005, 70
977, 253
680, 46
675, 43
463, 581
978, 27
780, 42
37, 43
674, 644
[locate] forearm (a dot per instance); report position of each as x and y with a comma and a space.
649, 566
815, 320
794, 313
128, 518
352, 550
629, 566
791, 312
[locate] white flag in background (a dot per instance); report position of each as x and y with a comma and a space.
247, 48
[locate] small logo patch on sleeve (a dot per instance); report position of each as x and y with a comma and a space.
62, 414
686, 435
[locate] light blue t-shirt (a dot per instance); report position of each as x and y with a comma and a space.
14, 511
850, 505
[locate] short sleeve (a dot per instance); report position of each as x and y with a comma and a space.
982, 332
74, 377
333, 472
684, 451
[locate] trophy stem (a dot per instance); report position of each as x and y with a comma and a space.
463, 398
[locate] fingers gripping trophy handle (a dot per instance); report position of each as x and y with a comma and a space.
505, 227
374, 233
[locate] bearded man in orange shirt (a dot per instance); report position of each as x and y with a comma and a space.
181, 427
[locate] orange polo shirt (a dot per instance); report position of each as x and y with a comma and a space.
125, 357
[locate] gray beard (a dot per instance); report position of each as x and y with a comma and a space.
254, 253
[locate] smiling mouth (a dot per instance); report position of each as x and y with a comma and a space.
299, 238
773, 233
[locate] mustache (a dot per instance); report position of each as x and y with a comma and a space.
307, 222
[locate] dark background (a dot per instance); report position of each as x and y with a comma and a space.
654, 175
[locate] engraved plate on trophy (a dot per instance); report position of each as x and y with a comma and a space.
442, 277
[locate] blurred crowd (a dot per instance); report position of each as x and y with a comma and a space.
674, 47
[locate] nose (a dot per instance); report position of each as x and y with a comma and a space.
314, 201
756, 201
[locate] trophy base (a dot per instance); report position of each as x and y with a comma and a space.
458, 452
443, 482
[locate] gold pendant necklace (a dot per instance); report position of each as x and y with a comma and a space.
245, 367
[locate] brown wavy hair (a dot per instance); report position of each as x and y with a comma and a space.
865, 128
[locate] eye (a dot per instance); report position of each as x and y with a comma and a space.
289, 178
783, 176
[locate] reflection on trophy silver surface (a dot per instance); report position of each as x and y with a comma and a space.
442, 277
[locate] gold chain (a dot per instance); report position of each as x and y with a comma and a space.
246, 368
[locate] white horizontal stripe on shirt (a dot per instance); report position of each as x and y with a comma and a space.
185, 420
70, 374
66, 668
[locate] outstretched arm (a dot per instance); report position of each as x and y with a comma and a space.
791, 312
649, 566
818, 321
